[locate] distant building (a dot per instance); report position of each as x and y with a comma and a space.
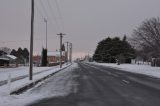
52, 57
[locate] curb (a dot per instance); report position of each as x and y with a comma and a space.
32, 84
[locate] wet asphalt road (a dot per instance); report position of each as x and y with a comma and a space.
104, 86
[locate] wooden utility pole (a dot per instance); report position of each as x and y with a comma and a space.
61, 36
70, 56
31, 41
67, 52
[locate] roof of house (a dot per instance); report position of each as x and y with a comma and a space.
8, 57
11, 56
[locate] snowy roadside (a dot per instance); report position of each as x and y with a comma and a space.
16, 100
20, 71
134, 68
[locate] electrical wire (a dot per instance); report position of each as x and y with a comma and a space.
45, 11
52, 11
15, 41
60, 14
39, 11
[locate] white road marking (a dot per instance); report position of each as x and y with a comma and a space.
125, 81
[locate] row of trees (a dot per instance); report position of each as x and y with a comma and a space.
21, 54
111, 50
145, 40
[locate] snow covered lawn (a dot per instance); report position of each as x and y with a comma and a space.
59, 85
134, 68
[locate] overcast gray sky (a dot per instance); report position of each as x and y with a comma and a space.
85, 22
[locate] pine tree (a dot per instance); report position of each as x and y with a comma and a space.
25, 54
111, 49
63, 47
44, 57
13, 52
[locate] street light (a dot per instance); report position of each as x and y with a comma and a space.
45, 20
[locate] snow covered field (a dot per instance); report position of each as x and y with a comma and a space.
61, 82
134, 68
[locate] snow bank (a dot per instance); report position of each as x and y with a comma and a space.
134, 68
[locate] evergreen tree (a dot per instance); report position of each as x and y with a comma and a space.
19, 55
63, 47
111, 49
25, 54
20, 52
2, 53
22, 55
124, 38
13, 52
44, 57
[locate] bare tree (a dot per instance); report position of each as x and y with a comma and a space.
147, 36
5, 49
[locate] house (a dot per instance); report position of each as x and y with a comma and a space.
4, 62
53, 58
7, 60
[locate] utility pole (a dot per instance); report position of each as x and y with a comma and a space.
67, 53
45, 20
31, 41
70, 56
61, 36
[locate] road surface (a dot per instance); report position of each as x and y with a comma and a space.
104, 86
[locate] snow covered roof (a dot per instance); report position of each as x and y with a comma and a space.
11, 56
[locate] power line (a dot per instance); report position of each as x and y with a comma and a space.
15, 41
44, 9
60, 14
52, 11
46, 13
58, 8
39, 11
